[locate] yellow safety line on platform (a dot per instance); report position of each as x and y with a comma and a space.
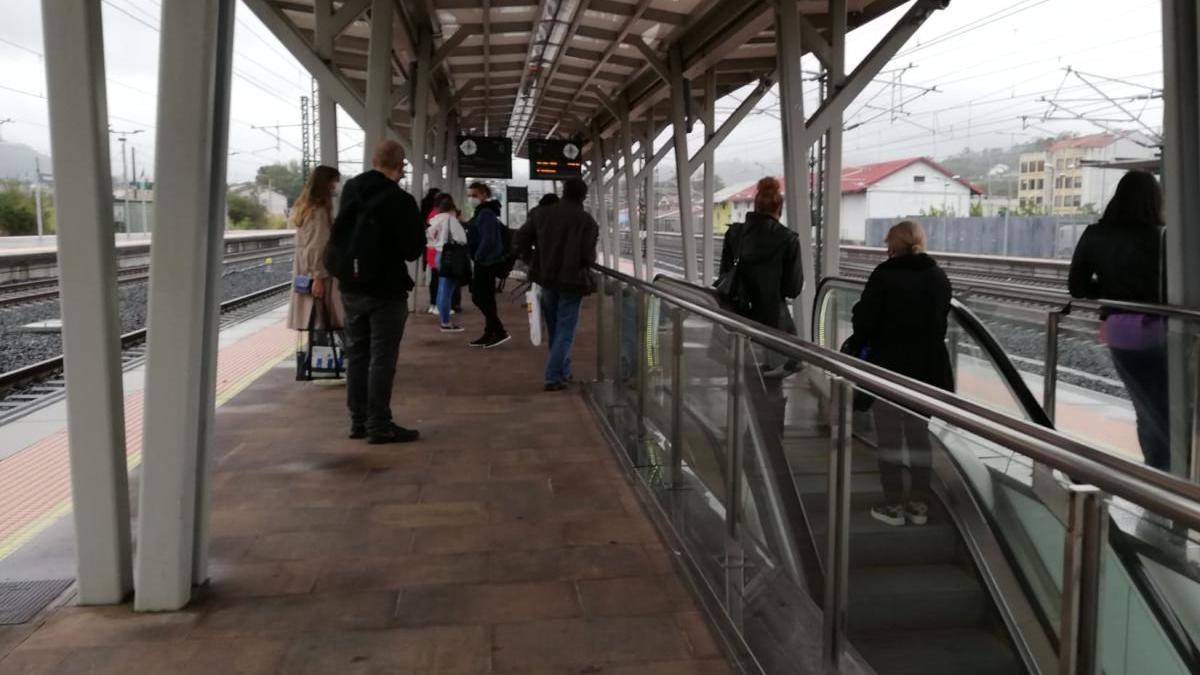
133, 460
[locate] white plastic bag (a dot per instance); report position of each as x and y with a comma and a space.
533, 304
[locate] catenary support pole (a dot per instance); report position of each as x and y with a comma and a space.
75, 88
795, 149
379, 80
194, 59
650, 191
631, 190
836, 70
710, 174
683, 175
326, 106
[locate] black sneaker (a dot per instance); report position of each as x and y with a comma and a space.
556, 386
358, 433
394, 434
890, 514
497, 340
481, 342
452, 328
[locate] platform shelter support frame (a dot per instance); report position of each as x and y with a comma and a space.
326, 104
78, 106
378, 108
710, 175
650, 195
631, 191
680, 92
195, 70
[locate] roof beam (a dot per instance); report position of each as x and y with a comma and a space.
730, 123
501, 27
632, 18
814, 41
487, 59
572, 30
651, 14
656, 62
350, 11
448, 46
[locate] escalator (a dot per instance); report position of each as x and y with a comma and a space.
975, 590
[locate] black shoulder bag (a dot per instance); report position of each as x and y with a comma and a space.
731, 290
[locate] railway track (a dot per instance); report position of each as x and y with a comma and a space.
39, 384
23, 292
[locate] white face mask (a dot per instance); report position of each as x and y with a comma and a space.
473, 201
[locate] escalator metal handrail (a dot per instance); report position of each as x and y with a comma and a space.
1158, 492
1165, 481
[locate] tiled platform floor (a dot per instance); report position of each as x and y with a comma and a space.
506, 541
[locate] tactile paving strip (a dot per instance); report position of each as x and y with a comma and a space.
20, 601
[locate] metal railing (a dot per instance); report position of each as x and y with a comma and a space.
1095, 475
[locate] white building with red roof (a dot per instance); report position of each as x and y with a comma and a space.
900, 188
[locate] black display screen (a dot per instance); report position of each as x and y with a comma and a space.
554, 160
484, 157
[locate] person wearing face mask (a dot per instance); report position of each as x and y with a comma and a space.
900, 324
486, 241
378, 227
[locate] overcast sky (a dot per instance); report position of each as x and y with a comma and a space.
990, 61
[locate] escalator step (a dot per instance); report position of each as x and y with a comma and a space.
914, 596
934, 652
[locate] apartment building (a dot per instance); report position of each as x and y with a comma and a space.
1061, 181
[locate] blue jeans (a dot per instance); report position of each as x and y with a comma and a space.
1144, 372
445, 298
561, 312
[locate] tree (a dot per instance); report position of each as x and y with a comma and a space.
18, 214
286, 179
976, 209
245, 213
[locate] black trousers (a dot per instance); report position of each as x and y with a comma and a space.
483, 294
894, 429
374, 328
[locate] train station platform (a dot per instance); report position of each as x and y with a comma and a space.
507, 540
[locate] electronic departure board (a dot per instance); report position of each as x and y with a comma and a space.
484, 157
554, 160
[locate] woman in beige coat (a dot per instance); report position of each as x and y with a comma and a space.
312, 215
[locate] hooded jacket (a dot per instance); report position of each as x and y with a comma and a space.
558, 242
403, 241
485, 235
901, 319
1118, 262
769, 266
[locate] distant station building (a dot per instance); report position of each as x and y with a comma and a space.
904, 187
1062, 179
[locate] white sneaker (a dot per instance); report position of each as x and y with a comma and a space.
432, 310
916, 512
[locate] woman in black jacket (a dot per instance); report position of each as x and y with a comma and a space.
1120, 258
767, 256
900, 324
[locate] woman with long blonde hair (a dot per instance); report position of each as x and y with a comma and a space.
312, 216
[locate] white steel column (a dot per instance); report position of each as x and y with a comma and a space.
1181, 151
651, 193
836, 70
683, 175
598, 194
74, 42
379, 80
194, 67
326, 106
420, 112
710, 169
795, 150
453, 180
614, 213
631, 189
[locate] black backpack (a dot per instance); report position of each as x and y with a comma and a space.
355, 254
505, 268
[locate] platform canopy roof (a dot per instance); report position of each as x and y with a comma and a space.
559, 68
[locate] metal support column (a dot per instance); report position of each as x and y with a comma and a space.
420, 112
1181, 149
379, 80
75, 88
836, 71
631, 190
833, 642
614, 214
326, 106
650, 194
1083, 558
795, 149
598, 194
195, 67
710, 175
683, 175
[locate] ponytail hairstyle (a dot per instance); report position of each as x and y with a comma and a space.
906, 237
317, 194
768, 197
445, 204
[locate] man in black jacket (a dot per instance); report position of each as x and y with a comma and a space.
376, 300
558, 242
